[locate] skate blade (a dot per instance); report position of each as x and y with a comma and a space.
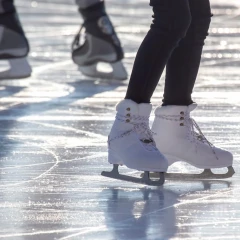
207, 174
15, 68
143, 180
106, 71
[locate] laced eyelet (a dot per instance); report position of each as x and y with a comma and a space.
128, 109
182, 113
128, 115
128, 120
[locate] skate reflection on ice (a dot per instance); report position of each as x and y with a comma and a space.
137, 214
149, 213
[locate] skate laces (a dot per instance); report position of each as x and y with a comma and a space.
199, 136
195, 133
76, 42
141, 127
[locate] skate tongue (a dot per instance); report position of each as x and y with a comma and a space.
145, 134
199, 135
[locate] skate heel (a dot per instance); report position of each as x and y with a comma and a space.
105, 70
119, 71
113, 159
20, 68
15, 68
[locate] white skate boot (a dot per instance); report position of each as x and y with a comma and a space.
177, 140
131, 143
98, 52
13, 48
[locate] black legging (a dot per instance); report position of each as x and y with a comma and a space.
175, 40
6, 6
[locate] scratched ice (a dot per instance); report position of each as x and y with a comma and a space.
54, 126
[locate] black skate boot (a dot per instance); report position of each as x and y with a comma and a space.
99, 45
14, 48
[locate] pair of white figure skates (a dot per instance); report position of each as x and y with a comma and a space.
173, 138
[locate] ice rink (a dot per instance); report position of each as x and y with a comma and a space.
54, 127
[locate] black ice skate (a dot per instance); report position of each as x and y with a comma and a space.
14, 48
99, 44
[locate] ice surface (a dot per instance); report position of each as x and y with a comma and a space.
53, 133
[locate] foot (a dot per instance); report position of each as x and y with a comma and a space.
100, 44
131, 142
13, 43
14, 48
179, 138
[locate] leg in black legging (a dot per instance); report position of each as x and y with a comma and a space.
6, 6
182, 67
170, 24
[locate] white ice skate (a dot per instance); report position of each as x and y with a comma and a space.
177, 139
131, 143
98, 51
13, 48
